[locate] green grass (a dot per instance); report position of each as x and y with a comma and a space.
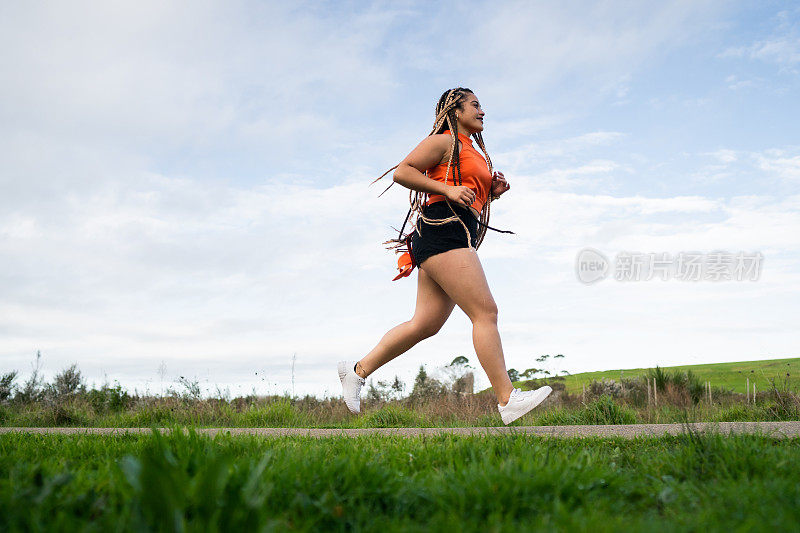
177, 482
731, 376
285, 413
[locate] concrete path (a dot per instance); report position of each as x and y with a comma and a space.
772, 429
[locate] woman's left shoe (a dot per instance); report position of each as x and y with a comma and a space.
521, 402
351, 385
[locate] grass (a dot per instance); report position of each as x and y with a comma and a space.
177, 482
471, 410
731, 376
681, 396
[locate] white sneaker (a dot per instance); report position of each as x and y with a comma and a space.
520, 402
351, 385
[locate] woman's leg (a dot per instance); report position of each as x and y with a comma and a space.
433, 309
460, 274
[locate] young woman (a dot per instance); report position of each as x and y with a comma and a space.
452, 186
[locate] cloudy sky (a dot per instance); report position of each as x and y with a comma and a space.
183, 188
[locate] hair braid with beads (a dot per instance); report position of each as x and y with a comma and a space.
445, 119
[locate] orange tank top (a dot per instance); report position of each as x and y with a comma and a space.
474, 173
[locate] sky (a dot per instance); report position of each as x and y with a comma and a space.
184, 188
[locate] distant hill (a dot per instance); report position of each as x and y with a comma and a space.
727, 375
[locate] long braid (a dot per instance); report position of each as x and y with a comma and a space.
484, 218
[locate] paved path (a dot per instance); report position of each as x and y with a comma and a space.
774, 429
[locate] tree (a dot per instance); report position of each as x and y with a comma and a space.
383, 391
460, 361
426, 387
67, 383
513, 375
530, 372
32, 390
458, 376
7, 385
421, 379
398, 386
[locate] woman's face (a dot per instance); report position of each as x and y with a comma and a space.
470, 115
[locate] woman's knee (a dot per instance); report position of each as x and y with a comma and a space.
487, 312
425, 328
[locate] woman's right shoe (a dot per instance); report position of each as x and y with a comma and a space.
351, 385
521, 402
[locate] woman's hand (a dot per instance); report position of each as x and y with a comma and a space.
499, 184
460, 195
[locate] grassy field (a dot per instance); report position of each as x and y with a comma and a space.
680, 397
179, 482
731, 376
445, 412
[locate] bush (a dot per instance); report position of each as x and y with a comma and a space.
606, 387
7, 385
672, 382
785, 403
384, 391
279, 413
426, 388
603, 410
66, 385
68, 416
109, 399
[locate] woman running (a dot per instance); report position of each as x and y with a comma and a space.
452, 186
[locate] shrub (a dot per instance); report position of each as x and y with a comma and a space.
279, 413
7, 385
605, 387
66, 384
785, 403
675, 382
603, 410
68, 416
426, 388
108, 398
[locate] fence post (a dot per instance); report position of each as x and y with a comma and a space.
754, 393
648, 392
655, 393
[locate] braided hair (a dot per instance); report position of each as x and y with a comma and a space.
445, 119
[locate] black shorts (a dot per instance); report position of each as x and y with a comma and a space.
437, 239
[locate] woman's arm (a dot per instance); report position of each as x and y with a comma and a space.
428, 154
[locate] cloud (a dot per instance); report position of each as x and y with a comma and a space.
597, 44
780, 163
781, 48
262, 83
